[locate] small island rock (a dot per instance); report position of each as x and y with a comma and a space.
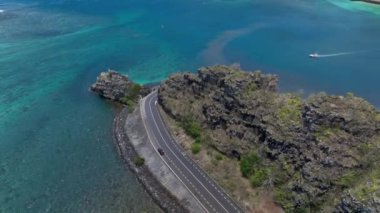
117, 87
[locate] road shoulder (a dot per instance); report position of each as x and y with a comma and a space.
158, 180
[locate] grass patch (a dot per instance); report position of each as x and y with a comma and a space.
365, 148
325, 132
249, 90
195, 148
218, 157
258, 178
283, 197
369, 187
139, 161
191, 127
236, 74
248, 163
348, 179
194, 130
290, 112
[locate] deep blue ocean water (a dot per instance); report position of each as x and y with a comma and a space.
56, 150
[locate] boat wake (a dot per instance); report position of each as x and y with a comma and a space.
334, 54
317, 55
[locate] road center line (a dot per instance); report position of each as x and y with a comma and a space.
142, 110
156, 125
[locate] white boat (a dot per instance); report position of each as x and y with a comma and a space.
314, 55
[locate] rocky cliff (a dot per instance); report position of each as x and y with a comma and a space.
318, 153
119, 88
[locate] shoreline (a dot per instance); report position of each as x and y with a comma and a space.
160, 195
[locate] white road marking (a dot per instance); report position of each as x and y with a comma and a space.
156, 125
191, 161
195, 197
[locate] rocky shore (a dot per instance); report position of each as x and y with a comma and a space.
317, 154
132, 143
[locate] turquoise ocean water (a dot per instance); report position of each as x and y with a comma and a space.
56, 150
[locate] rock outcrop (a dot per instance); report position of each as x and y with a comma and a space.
117, 87
317, 151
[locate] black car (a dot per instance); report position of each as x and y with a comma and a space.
160, 151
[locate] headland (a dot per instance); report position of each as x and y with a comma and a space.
307, 154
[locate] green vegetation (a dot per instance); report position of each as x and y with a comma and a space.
236, 75
290, 112
249, 90
248, 163
251, 167
195, 148
369, 187
279, 175
258, 177
131, 99
191, 127
348, 179
365, 148
194, 130
138, 161
283, 197
218, 157
309, 167
325, 132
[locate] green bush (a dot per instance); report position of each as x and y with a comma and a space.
248, 163
198, 140
192, 128
132, 97
218, 157
135, 90
139, 161
195, 148
258, 177
279, 175
302, 209
348, 179
283, 197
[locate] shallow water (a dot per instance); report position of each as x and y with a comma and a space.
56, 150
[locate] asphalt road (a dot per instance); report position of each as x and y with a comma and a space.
210, 196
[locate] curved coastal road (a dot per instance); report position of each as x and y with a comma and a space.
208, 194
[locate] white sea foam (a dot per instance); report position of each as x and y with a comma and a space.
2, 11
335, 54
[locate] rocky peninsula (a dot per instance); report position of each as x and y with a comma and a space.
318, 153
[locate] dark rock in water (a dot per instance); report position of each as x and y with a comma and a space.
117, 87
313, 149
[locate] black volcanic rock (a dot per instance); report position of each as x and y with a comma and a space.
117, 87
317, 150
